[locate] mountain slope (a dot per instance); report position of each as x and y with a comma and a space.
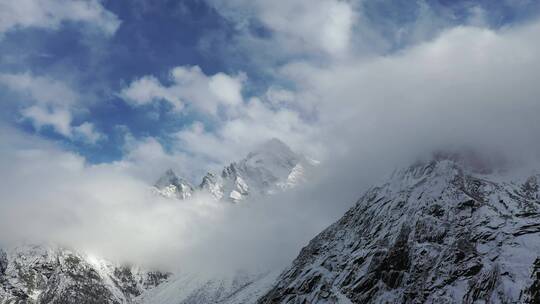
46, 274
197, 288
51, 274
437, 232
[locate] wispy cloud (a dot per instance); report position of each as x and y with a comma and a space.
47, 102
50, 14
189, 86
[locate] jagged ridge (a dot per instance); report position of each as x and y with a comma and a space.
271, 167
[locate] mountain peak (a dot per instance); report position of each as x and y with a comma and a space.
271, 153
168, 178
272, 146
438, 227
170, 185
271, 166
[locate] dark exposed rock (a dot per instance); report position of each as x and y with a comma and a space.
3, 261
532, 294
125, 280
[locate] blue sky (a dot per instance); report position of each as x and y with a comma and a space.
99, 57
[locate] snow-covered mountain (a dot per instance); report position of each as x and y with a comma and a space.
52, 274
46, 274
449, 230
171, 186
198, 288
271, 167
437, 232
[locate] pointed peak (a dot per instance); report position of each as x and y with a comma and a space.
272, 148
170, 172
230, 170
452, 162
209, 175
209, 178
274, 144
170, 178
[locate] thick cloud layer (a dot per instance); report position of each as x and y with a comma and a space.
50, 195
470, 87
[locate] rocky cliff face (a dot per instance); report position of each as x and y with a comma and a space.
437, 232
54, 275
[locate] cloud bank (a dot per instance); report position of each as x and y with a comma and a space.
204, 93
361, 115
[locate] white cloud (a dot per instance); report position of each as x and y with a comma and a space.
280, 97
41, 89
86, 132
58, 118
147, 159
321, 26
243, 123
49, 102
148, 89
250, 125
226, 88
50, 14
453, 91
469, 87
117, 216
189, 86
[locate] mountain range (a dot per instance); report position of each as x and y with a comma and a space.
269, 168
443, 230
47, 273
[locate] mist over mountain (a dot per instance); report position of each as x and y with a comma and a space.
271, 167
241, 152
441, 231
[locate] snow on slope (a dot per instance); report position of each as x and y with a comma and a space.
189, 288
51, 274
437, 232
